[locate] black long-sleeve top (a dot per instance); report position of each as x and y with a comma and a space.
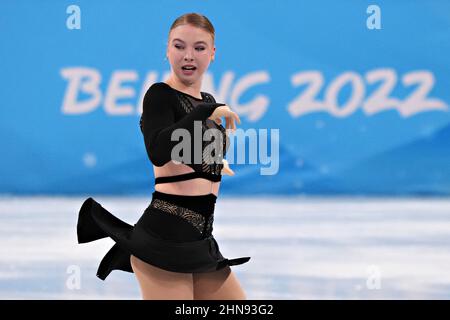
166, 109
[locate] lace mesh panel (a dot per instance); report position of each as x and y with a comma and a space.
209, 225
185, 103
208, 165
196, 219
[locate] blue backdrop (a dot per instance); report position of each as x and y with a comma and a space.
359, 110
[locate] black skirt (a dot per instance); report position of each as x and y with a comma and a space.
174, 233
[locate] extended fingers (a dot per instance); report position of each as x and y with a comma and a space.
230, 118
237, 118
230, 124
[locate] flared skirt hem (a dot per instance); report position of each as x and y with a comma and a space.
95, 222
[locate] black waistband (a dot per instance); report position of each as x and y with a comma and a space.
204, 203
188, 176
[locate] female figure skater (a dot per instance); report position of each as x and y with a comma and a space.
171, 249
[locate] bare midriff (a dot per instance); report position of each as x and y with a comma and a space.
191, 187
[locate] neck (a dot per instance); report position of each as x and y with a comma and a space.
190, 88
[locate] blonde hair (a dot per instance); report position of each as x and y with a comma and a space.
196, 20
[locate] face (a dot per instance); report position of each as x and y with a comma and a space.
189, 45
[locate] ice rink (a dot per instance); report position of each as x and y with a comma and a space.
300, 248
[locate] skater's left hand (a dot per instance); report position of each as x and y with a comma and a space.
226, 168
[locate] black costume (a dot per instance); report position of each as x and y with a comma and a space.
175, 231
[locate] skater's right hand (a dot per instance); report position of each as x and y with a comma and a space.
230, 117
